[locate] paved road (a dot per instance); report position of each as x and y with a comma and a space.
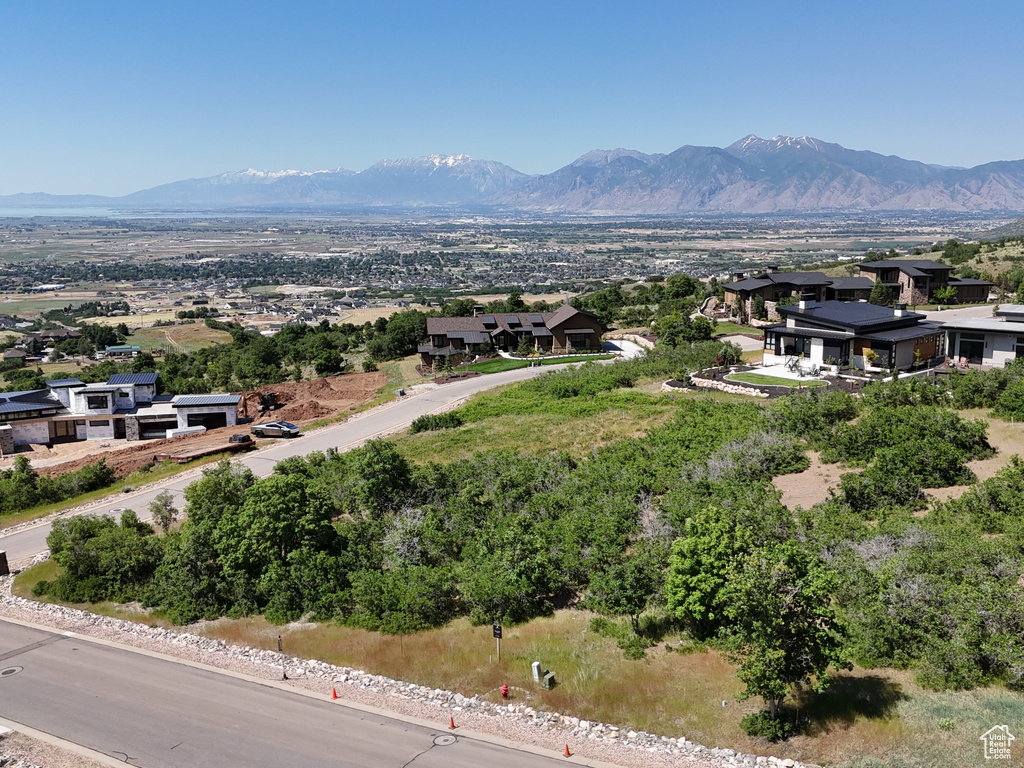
157, 713
28, 542
979, 310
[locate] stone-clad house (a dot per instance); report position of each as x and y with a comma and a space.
914, 281
563, 331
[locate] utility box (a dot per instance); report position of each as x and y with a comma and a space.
400, 392
4, 568
548, 681
536, 671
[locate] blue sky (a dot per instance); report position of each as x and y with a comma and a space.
111, 97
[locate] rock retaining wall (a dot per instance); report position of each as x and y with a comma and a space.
610, 742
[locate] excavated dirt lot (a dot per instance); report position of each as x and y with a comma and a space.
301, 403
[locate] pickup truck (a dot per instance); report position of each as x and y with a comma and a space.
275, 429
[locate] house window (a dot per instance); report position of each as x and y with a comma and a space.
438, 341
122, 393
95, 423
97, 402
577, 339
1019, 347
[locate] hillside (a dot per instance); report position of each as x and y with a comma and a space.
751, 176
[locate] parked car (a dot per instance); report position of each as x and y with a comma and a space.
275, 429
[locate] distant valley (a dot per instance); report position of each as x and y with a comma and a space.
751, 176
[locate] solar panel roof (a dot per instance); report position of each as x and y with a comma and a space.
192, 401
132, 378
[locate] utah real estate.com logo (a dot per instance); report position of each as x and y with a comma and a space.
997, 742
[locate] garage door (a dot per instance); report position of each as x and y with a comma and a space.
208, 420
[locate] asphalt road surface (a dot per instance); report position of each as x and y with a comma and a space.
28, 542
157, 713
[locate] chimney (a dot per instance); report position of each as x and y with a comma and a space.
771, 269
737, 276
478, 309
806, 300
900, 309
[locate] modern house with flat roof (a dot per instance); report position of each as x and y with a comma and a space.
125, 407
563, 331
987, 341
773, 286
846, 334
914, 281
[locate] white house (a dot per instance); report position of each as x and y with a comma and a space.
126, 406
989, 341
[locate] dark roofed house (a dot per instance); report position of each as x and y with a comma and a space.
774, 286
914, 281
845, 334
565, 330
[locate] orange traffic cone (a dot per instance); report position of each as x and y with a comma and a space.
451, 723
334, 693
567, 752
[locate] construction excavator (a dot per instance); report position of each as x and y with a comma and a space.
254, 403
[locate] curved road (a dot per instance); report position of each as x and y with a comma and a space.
28, 542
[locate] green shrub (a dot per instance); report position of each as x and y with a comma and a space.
767, 727
432, 422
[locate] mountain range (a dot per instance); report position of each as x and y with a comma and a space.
753, 175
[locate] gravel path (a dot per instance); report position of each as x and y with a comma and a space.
515, 722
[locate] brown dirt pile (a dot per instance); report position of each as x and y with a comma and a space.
307, 401
302, 403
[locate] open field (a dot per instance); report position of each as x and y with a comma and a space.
369, 315
536, 433
178, 338
142, 320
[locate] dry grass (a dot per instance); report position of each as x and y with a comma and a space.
369, 315
881, 714
179, 338
535, 433
134, 321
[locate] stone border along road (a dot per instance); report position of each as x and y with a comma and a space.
515, 721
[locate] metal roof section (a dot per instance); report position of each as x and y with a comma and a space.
541, 331
808, 333
133, 378
512, 320
27, 406
903, 334
536, 320
850, 283
748, 284
847, 313
488, 320
96, 389
26, 394
904, 264
60, 383
986, 325
579, 330
197, 401
470, 337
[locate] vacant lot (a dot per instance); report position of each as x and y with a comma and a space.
369, 315
178, 338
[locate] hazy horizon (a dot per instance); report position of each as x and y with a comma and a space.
110, 98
